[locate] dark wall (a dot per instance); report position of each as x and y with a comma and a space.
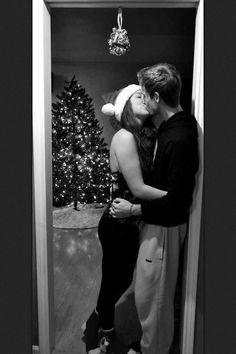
100, 78
80, 48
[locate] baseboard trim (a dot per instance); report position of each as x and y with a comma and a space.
35, 349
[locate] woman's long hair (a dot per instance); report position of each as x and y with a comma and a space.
145, 136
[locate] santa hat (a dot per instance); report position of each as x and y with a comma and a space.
116, 108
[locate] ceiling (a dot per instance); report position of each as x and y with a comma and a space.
80, 35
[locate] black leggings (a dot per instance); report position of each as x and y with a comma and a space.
120, 244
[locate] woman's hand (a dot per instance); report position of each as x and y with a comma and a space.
120, 208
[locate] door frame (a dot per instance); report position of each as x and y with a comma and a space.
42, 173
42, 164
190, 291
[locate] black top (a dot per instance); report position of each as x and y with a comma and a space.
120, 188
174, 169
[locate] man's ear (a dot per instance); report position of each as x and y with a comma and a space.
156, 97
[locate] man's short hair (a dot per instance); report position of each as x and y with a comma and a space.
164, 79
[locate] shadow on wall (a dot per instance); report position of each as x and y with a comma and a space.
58, 81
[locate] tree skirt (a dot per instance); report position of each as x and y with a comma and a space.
87, 216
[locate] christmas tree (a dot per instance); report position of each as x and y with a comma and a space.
81, 170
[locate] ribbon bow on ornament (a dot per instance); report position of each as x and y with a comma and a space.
118, 41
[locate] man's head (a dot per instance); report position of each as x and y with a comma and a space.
161, 85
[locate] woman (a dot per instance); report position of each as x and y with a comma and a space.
130, 160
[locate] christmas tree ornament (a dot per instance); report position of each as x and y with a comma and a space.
118, 41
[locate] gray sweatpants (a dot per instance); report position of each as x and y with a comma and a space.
155, 282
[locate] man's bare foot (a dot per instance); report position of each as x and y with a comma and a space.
83, 327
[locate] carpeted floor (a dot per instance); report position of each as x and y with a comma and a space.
86, 216
77, 276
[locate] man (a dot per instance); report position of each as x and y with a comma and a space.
164, 220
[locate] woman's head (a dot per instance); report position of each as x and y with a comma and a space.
131, 112
134, 113
134, 119
119, 100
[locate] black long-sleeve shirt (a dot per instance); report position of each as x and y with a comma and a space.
174, 169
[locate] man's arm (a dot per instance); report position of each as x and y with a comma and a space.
182, 162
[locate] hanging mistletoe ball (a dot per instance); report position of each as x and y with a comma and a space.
118, 41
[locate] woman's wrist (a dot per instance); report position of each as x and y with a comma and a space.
131, 209
136, 210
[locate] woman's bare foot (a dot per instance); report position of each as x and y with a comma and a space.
94, 351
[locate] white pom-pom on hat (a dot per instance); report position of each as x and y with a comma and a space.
108, 109
120, 101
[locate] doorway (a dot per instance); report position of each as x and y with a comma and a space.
99, 17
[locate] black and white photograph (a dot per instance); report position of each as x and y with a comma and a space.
118, 165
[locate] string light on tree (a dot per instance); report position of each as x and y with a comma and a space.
80, 158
